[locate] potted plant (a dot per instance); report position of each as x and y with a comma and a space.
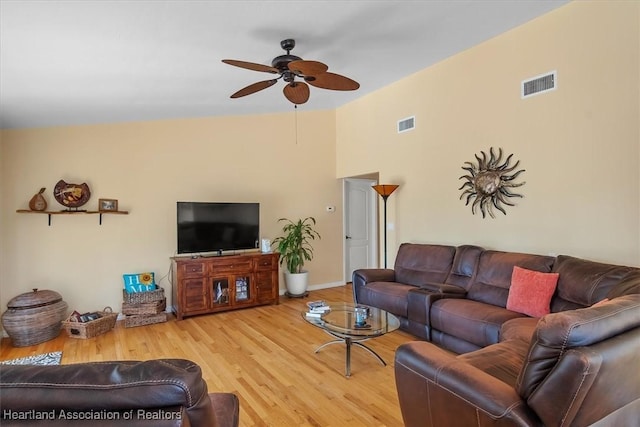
295, 248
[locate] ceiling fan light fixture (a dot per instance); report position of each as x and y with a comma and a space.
288, 76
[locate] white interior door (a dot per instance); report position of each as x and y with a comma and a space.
360, 246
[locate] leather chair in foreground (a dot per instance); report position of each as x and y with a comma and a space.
158, 393
580, 368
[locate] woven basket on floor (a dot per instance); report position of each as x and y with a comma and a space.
154, 307
91, 329
146, 319
142, 297
34, 317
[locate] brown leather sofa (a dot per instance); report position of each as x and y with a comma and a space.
486, 365
456, 296
581, 369
165, 392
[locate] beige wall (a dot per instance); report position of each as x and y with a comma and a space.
580, 144
148, 167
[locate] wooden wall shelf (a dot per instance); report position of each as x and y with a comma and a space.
49, 213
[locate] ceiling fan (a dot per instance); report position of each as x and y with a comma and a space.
296, 72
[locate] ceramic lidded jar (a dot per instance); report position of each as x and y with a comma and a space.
34, 317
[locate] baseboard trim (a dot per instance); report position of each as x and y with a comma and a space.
318, 287
280, 292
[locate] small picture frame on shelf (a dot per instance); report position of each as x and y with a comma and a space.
107, 205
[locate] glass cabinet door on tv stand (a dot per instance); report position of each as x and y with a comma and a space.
220, 292
243, 292
231, 289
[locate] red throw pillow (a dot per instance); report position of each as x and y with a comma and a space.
531, 291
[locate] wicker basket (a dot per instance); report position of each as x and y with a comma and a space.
91, 329
133, 321
142, 297
144, 308
34, 317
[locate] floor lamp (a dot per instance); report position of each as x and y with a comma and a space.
385, 191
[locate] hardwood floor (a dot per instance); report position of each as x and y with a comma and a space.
266, 356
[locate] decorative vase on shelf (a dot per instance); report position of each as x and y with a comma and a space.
38, 202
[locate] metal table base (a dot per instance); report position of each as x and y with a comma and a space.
349, 341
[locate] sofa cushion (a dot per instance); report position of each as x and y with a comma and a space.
557, 333
503, 360
630, 284
418, 263
493, 277
521, 328
531, 291
472, 321
389, 296
584, 282
464, 265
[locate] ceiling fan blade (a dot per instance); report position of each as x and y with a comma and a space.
297, 92
253, 88
332, 81
251, 66
307, 68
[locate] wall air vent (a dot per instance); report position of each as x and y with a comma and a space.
407, 124
539, 84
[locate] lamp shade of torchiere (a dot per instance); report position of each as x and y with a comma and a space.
385, 191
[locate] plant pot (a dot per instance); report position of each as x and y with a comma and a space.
296, 283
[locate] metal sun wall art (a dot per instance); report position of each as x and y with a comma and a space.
489, 182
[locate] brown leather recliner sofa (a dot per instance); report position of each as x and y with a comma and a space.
163, 392
493, 366
580, 369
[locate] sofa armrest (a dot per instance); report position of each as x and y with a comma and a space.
367, 275
444, 288
419, 302
436, 388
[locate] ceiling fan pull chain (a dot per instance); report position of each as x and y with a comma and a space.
295, 112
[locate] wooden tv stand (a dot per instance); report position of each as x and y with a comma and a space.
219, 283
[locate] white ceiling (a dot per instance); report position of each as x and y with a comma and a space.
86, 62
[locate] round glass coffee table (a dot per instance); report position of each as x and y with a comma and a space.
340, 322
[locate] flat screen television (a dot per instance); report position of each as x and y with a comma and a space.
217, 227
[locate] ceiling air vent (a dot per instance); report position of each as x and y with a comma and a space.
539, 84
407, 124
